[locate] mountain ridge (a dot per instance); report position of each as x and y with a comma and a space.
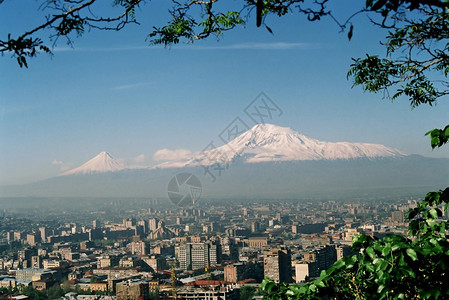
268, 142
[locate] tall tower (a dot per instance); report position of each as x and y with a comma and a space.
278, 264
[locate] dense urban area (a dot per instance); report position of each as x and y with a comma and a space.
148, 249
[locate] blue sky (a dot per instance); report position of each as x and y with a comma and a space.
113, 92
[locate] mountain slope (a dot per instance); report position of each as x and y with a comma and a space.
268, 143
101, 163
275, 180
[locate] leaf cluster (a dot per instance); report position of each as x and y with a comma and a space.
66, 17
438, 137
416, 51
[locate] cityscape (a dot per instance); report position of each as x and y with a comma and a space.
150, 248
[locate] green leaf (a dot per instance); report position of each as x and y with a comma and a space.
380, 288
370, 267
370, 252
339, 264
386, 251
412, 254
432, 223
323, 275
399, 296
433, 213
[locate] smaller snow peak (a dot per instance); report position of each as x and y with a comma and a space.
101, 163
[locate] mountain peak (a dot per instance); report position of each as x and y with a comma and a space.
101, 163
104, 154
271, 128
269, 142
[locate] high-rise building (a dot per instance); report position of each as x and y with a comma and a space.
95, 224
277, 264
142, 224
95, 234
45, 233
140, 248
295, 229
398, 216
10, 236
33, 239
255, 226
214, 254
152, 224
199, 255
129, 222
325, 257
318, 260
36, 262
344, 250
229, 249
18, 235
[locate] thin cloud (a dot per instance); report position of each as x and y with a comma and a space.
63, 166
170, 155
140, 158
130, 86
260, 46
240, 46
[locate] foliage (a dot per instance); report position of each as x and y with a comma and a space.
55, 292
64, 18
154, 294
247, 292
416, 50
33, 294
439, 137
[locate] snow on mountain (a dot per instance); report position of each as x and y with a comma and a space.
268, 142
101, 163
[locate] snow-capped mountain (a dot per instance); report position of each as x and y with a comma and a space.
268, 143
101, 163
267, 161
